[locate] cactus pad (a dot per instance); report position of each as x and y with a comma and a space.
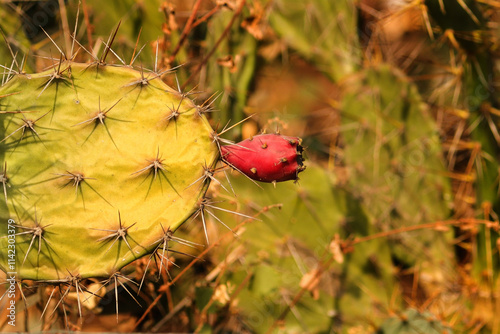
97, 165
393, 152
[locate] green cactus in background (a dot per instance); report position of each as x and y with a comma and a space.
12, 33
413, 322
141, 22
393, 155
322, 31
234, 70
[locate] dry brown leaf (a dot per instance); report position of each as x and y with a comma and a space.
229, 62
221, 294
310, 282
336, 250
254, 23
171, 23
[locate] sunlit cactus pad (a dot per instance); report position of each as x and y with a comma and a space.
98, 163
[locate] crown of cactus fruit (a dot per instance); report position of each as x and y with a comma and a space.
266, 158
103, 163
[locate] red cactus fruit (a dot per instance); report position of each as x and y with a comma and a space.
266, 158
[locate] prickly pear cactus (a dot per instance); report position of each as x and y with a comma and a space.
100, 164
393, 152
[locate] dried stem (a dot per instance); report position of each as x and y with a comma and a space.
186, 31
88, 25
206, 16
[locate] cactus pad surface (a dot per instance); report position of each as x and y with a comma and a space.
97, 165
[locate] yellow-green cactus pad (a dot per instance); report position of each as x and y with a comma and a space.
97, 163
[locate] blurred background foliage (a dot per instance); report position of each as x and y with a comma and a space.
393, 227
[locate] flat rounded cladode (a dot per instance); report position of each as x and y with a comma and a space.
97, 163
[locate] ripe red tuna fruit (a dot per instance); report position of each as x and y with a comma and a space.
266, 158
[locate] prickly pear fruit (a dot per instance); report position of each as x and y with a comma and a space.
266, 158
